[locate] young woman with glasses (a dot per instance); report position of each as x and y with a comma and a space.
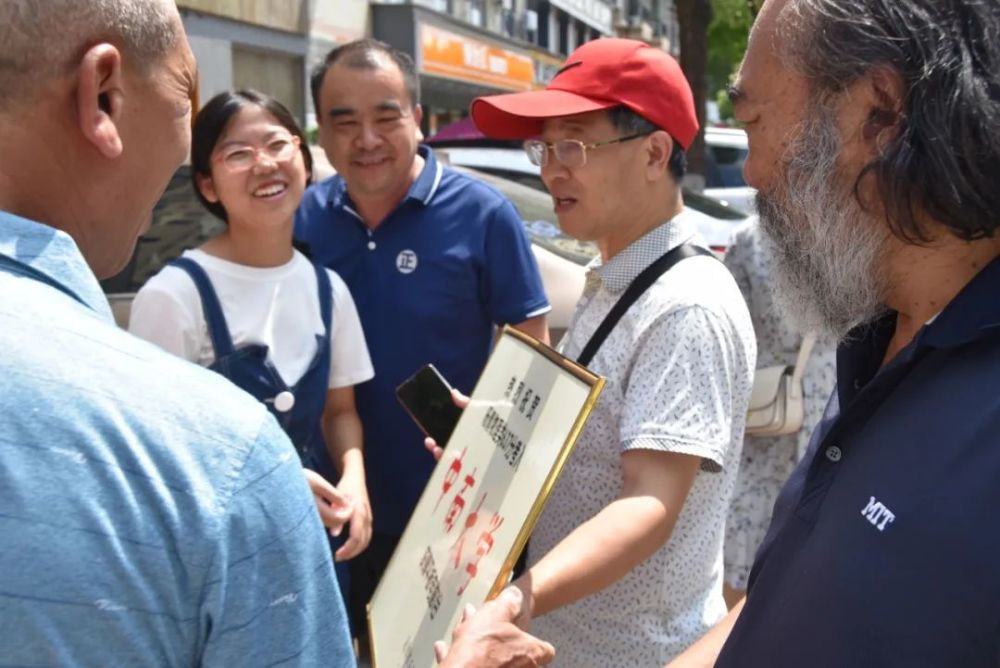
251, 307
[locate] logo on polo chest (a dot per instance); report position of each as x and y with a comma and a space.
406, 262
876, 513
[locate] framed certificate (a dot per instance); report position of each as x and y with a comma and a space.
483, 499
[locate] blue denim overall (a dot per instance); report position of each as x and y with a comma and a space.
248, 368
298, 408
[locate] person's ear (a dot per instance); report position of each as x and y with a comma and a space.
883, 95
100, 98
659, 145
207, 188
418, 114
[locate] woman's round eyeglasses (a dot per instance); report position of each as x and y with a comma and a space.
243, 158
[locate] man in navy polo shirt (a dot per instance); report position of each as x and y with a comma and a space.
875, 146
434, 261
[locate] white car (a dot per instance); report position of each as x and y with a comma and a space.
725, 151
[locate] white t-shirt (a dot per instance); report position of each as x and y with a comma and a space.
274, 306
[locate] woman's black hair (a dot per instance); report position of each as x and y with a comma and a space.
211, 122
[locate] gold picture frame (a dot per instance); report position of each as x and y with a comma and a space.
526, 413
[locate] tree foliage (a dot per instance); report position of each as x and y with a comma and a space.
727, 42
713, 38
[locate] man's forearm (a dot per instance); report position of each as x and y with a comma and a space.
704, 653
598, 553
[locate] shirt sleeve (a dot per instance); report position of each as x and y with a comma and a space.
680, 394
159, 317
272, 596
350, 362
513, 284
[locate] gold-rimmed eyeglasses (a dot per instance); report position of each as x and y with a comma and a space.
570, 153
243, 158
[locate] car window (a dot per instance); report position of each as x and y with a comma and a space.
724, 166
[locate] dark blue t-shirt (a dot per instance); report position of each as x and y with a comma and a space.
430, 282
884, 544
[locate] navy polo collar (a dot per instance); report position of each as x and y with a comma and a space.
971, 315
422, 190
429, 179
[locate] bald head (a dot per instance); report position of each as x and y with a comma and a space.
42, 39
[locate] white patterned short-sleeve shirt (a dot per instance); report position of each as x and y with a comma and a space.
679, 368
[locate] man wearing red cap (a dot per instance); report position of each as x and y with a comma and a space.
626, 561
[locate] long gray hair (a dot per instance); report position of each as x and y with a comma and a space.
944, 161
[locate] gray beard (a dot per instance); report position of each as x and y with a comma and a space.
826, 248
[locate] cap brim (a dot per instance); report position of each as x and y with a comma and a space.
520, 115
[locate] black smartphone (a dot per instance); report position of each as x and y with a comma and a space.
426, 396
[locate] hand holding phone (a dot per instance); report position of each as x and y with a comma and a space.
426, 396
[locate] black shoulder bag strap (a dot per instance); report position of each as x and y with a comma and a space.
635, 289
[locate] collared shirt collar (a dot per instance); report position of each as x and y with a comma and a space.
973, 314
50, 256
422, 190
623, 268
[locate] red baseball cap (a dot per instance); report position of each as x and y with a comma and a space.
601, 74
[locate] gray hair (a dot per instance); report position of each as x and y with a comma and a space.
827, 251
945, 157
40, 38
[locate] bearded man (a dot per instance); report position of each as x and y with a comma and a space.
874, 130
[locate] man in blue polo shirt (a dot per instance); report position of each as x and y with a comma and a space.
434, 261
874, 145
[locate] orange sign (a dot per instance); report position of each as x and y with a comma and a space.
449, 55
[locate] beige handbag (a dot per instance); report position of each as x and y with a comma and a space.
776, 400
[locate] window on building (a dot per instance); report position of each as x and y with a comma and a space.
532, 23
477, 13
280, 75
564, 44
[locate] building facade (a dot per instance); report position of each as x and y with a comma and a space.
462, 48
268, 44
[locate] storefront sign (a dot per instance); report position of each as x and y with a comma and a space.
447, 54
483, 499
